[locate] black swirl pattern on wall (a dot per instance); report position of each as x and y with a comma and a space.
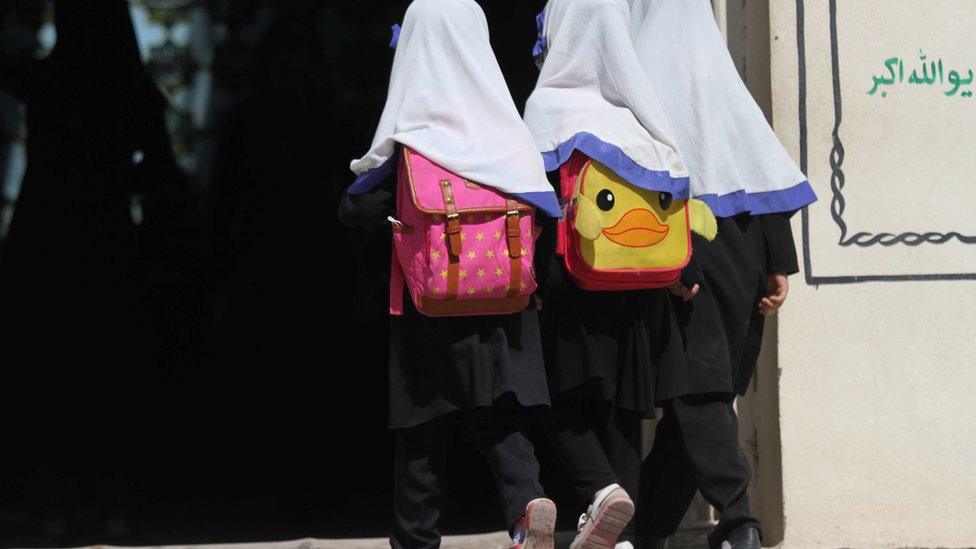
837, 203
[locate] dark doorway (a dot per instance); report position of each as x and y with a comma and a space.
232, 386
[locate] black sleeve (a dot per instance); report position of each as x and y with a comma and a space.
548, 267
367, 210
545, 253
692, 273
780, 248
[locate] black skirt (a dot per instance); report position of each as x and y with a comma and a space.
721, 327
612, 346
606, 345
440, 365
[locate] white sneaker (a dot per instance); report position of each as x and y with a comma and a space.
624, 545
604, 519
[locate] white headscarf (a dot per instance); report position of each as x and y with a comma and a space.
448, 100
592, 96
735, 161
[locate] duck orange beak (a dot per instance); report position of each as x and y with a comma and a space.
637, 229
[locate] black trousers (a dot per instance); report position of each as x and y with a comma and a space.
598, 444
420, 470
696, 447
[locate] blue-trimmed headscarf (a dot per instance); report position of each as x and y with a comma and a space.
449, 101
592, 96
735, 162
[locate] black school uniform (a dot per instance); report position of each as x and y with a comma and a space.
602, 354
485, 373
696, 445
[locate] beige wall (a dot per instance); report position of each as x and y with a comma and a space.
876, 387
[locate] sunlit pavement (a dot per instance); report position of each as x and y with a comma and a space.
498, 540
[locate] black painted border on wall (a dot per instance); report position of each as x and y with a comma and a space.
861, 239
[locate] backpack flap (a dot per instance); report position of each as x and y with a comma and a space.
465, 196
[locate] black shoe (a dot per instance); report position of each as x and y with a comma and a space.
746, 537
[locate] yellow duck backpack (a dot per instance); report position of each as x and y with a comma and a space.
615, 236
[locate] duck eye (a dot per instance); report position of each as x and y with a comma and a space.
665, 200
605, 200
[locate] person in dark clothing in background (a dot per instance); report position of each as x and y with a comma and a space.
740, 169
70, 273
96, 139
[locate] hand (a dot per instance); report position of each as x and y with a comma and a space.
683, 291
777, 288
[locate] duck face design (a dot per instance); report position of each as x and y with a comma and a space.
626, 227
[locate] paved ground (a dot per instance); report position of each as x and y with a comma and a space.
498, 540
692, 539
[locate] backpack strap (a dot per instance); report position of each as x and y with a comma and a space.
514, 232
571, 175
453, 227
452, 232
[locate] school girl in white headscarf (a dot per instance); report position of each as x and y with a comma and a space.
448, 102
738, 166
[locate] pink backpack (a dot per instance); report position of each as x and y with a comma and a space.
461, 249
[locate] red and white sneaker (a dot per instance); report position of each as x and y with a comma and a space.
604, 519
535, 529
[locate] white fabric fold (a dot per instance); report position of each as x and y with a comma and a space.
735, 161
448, 100
592, 95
